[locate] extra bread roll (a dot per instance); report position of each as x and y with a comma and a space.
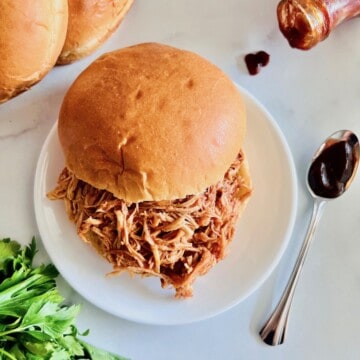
152, 122
32, 34
91, 22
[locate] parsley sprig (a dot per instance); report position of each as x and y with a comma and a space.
35, 324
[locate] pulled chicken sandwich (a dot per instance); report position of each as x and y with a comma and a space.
155, 177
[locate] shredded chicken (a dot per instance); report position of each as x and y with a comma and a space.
175, 240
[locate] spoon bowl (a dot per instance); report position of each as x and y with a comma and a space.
334, 165
330, 174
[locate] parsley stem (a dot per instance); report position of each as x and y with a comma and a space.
2, 351
12, 331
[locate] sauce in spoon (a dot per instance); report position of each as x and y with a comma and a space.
332, 169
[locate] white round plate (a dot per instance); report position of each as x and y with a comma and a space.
261, 237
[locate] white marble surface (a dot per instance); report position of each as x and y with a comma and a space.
310, 94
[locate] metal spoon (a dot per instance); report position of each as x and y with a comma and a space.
331, 172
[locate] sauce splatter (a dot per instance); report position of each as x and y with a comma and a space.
255, 61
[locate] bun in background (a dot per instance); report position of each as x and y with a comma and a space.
91, 22
32, 34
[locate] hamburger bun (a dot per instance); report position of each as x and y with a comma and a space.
91, 22
32, 34
151, 122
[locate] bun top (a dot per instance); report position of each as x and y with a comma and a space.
91, 22
151, 122
32, 33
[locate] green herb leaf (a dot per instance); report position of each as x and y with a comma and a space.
34, 322
46, 315
16, 299
8, 249
98, 354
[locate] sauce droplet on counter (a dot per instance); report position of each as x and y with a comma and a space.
332, 169
256, 60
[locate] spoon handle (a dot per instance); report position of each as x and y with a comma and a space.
273, 332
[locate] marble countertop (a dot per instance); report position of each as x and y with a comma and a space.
310, 94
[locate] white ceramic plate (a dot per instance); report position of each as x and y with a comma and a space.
261, 238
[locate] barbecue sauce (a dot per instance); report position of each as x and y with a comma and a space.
255, 61
331, 170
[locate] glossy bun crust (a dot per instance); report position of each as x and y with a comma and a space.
91, 22
32, 34
151, 122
